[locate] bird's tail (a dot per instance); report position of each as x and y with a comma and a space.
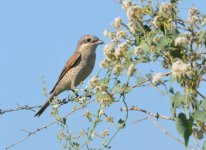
44, 107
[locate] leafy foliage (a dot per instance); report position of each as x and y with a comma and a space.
154, 32
184, 126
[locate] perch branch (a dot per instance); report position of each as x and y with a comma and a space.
147, 112
45, 126
18, 108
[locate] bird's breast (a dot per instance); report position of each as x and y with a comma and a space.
84, 68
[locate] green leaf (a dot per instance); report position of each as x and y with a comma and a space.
64, 120
172, 80
140, 79
145, 46
203, 104
201, 36
165, 41
174, 1
172, 108
125, 88
178, 99
171, 90
204, 145
200, 115
89, 118
149, 76
120, 121
184, 127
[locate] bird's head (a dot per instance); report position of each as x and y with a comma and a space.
89, 42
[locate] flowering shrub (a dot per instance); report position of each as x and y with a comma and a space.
154, 32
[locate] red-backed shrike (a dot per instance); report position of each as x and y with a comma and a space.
77, 68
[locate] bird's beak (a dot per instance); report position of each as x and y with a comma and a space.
99, 42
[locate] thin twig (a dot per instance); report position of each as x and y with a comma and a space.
110, 140
31, 108
167, 133
140, 120
45, 126
148, 112
18, 108
140, 84
30, 134
196, 142
200, 94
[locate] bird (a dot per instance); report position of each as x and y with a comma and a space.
77, 68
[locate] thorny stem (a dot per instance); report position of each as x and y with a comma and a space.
156, 115
167, 133
45, 126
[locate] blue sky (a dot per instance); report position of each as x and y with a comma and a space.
36, 39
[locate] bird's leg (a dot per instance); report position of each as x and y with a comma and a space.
64, 101
75, 92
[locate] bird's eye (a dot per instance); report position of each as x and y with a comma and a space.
88, 40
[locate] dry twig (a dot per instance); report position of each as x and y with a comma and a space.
18, 108
148, 112
45, 126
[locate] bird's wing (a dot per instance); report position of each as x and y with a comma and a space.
70, 63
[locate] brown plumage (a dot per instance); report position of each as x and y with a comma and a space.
72, 60
77, 68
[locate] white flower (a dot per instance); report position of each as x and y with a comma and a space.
193, 15
192, 20
187, 35
108, 50
93, 134
203, 21
165, 9
101, 112
109, 119
105, 133
156, 79
104, 63
81, 133
61, 134
124, 46
121, 34
104, 98
126, 5
102, 88
93, 82
137, 50
121, 50
193, 11
156, 21
82, 100
131, 70
180, 41
117, 69
132, 27
117, 23
108, 34
87, 114
133, 12
180, 69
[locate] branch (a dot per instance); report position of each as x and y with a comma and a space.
147, 112
140, 120
162, 129
200, 94
31, 108
30, 134
45, 126
141, 83
18, 108
167, 133
196, 142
